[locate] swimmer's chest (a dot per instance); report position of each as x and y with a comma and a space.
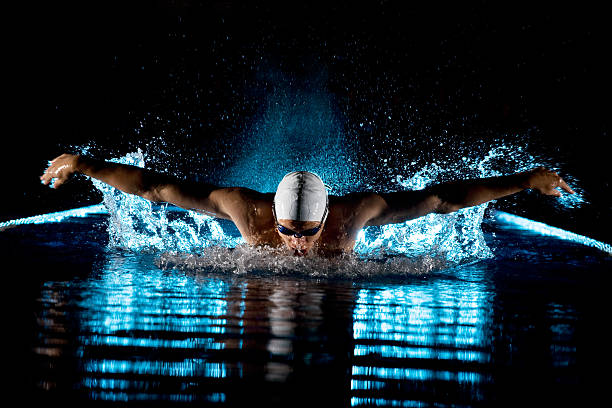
339, 232
332, 240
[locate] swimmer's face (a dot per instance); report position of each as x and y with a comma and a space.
300, 246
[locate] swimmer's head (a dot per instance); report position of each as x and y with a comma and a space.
300, 210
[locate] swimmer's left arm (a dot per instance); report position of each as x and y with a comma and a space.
448, 197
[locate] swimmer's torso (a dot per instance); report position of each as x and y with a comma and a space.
252, 215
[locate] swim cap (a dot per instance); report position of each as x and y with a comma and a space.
300, 196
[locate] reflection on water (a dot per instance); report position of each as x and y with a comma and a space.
120, 329
419, 334
138, 333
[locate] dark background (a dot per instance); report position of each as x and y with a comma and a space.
119, 75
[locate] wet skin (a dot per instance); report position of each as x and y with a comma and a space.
251, 210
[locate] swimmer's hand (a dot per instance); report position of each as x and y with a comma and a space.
546, 182
60, 169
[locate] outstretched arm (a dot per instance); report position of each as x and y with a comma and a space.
142, 182
444, 198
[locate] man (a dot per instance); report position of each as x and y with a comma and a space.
300, 215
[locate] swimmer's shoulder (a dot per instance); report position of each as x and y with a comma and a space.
354, 210
250, 211
254, 206
354, 202
241, 196
255, 199
240, 203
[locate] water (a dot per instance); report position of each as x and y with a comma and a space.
137, 224
108, 324
129, 303
132, 302
137, 303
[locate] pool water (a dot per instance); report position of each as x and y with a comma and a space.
105, 324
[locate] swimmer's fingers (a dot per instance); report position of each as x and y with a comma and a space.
552, 188
564, 186
47, 175
58, 182
59, 171
51, 177
548, 182
557, 183
549, 189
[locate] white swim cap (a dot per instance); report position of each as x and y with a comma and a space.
300, 196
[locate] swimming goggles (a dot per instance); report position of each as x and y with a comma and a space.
306, 233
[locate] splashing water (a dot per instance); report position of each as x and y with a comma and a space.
281, 262
191, 240
137, 224
300, 127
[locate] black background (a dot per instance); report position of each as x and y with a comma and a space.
92, 73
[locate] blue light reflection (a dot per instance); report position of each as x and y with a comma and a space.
442, 324
170, 325
58, 216
544, 229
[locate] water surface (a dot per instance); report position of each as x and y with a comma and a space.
110, 325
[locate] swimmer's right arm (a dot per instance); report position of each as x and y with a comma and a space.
145, 183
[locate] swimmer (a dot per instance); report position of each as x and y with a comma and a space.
300, 215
